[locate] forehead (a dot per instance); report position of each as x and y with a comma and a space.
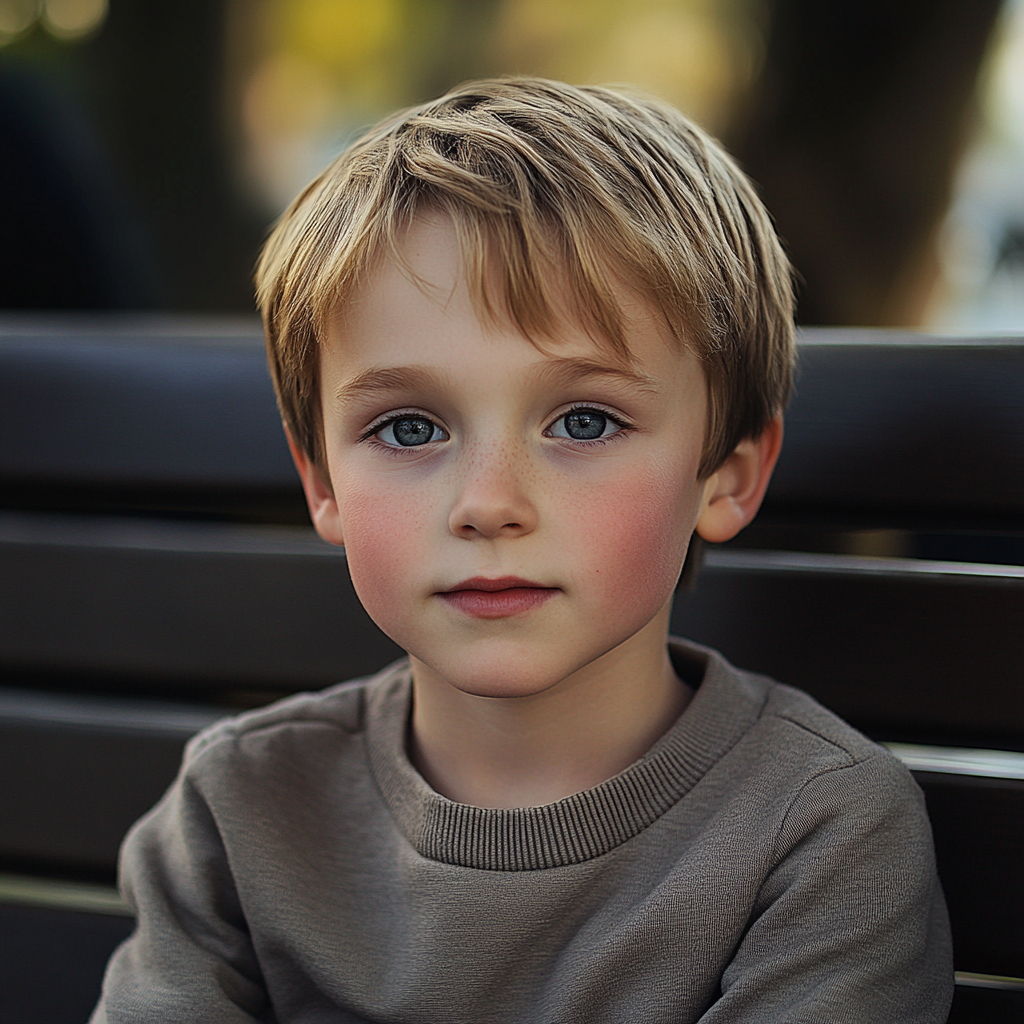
420, 307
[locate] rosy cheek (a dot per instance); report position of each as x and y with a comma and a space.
384, 544
631, 541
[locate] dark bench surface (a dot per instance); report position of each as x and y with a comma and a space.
129, 400
889, 427
151, 414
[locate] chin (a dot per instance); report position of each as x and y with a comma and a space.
493, 686
500, 673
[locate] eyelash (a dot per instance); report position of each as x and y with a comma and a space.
625, 427
370, 434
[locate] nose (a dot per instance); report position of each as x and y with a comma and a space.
493, 499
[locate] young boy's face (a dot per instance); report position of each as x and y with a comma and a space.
509, 514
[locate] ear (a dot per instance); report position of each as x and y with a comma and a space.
733, 493
323, 506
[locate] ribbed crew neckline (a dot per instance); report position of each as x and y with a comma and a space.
579, 827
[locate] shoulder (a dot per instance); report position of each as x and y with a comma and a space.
793, 720
843, 785
800, 730
829, 786
793, 748
263, 777
336, 715
810, 788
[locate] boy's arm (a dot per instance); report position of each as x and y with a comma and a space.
190, 957
851, 925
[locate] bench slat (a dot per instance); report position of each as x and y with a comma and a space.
902, 653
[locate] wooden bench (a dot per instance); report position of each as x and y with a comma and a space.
159, 570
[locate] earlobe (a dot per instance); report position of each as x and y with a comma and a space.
323, 506
734, 492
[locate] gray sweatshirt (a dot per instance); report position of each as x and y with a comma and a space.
762, 862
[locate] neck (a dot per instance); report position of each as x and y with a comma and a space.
506, 752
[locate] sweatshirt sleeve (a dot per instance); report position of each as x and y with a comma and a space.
190, 957
851, 923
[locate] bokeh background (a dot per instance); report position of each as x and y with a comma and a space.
145, 145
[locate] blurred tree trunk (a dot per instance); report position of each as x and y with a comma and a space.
854, 133
155, 72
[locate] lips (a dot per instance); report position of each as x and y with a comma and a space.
484, 598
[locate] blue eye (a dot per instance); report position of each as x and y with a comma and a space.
410, 432
585, 425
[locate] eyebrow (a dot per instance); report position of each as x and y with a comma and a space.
556, 371
388, 379
576, 370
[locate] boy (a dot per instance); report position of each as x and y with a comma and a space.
526, 339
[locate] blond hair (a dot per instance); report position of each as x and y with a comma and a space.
592, 183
